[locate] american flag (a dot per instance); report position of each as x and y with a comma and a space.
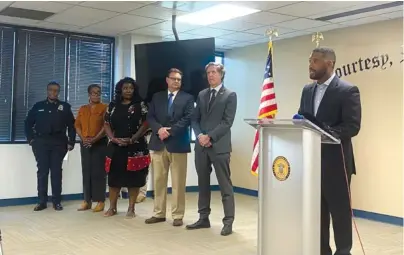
268, 107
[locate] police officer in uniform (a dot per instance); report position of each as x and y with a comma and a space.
45, 129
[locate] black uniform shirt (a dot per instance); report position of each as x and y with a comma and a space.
50, 119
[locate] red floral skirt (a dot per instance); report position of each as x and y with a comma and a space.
134, 163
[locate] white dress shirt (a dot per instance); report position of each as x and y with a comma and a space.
320, 91
217, 90
174, 94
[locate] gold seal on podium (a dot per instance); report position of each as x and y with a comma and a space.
281, 168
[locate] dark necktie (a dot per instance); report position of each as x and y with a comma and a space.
170, 104
212, 98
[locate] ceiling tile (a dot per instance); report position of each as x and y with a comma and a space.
154, 11
367, 14
266, 18
99, 31
361, 21
187, 6
17, 21
124, 22
325, 28
262, 40
168, 4
192, 6
356, 5
242, 37
117, 6
57, 26
264, 5
183, 36
4, 4
151, 32
294, 34
262, 30
207, 31
146, 2
222, 42
235, 25
241, 44
307, 8
393, 15
181, 27
302, 23
41, 6
81, 16
70, 2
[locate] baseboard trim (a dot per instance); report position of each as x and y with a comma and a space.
394, 220
34, 200
384, 218
79, 196
150, 193
357, 213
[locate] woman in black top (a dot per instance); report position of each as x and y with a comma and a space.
128, 158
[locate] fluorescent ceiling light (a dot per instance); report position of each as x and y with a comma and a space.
215, 14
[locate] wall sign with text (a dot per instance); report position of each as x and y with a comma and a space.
368, 63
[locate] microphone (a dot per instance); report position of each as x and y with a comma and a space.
298, 117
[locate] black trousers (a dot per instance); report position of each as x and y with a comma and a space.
49, 154
94, 175
335, 202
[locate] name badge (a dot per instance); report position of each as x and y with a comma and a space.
41, 110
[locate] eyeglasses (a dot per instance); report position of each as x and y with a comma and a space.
175, 79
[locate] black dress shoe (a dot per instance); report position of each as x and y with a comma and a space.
40, 207
201, 223
58, 207
226, 230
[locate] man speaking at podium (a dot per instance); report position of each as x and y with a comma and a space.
336, 106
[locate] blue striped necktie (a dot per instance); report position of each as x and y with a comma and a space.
170, 104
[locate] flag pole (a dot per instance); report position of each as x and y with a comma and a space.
255, 157
268, 88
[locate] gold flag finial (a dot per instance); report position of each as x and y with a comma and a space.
270, 33
317, 37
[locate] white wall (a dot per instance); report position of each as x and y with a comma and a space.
18, 172
17, 163
378, 148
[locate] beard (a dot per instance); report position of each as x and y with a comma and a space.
317, 74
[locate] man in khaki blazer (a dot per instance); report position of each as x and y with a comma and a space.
169, 117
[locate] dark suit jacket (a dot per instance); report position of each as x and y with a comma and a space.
216, 122
157, 117
340, 109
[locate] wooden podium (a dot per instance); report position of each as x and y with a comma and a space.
289, 188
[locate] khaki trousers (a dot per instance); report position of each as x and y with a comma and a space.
162, 162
